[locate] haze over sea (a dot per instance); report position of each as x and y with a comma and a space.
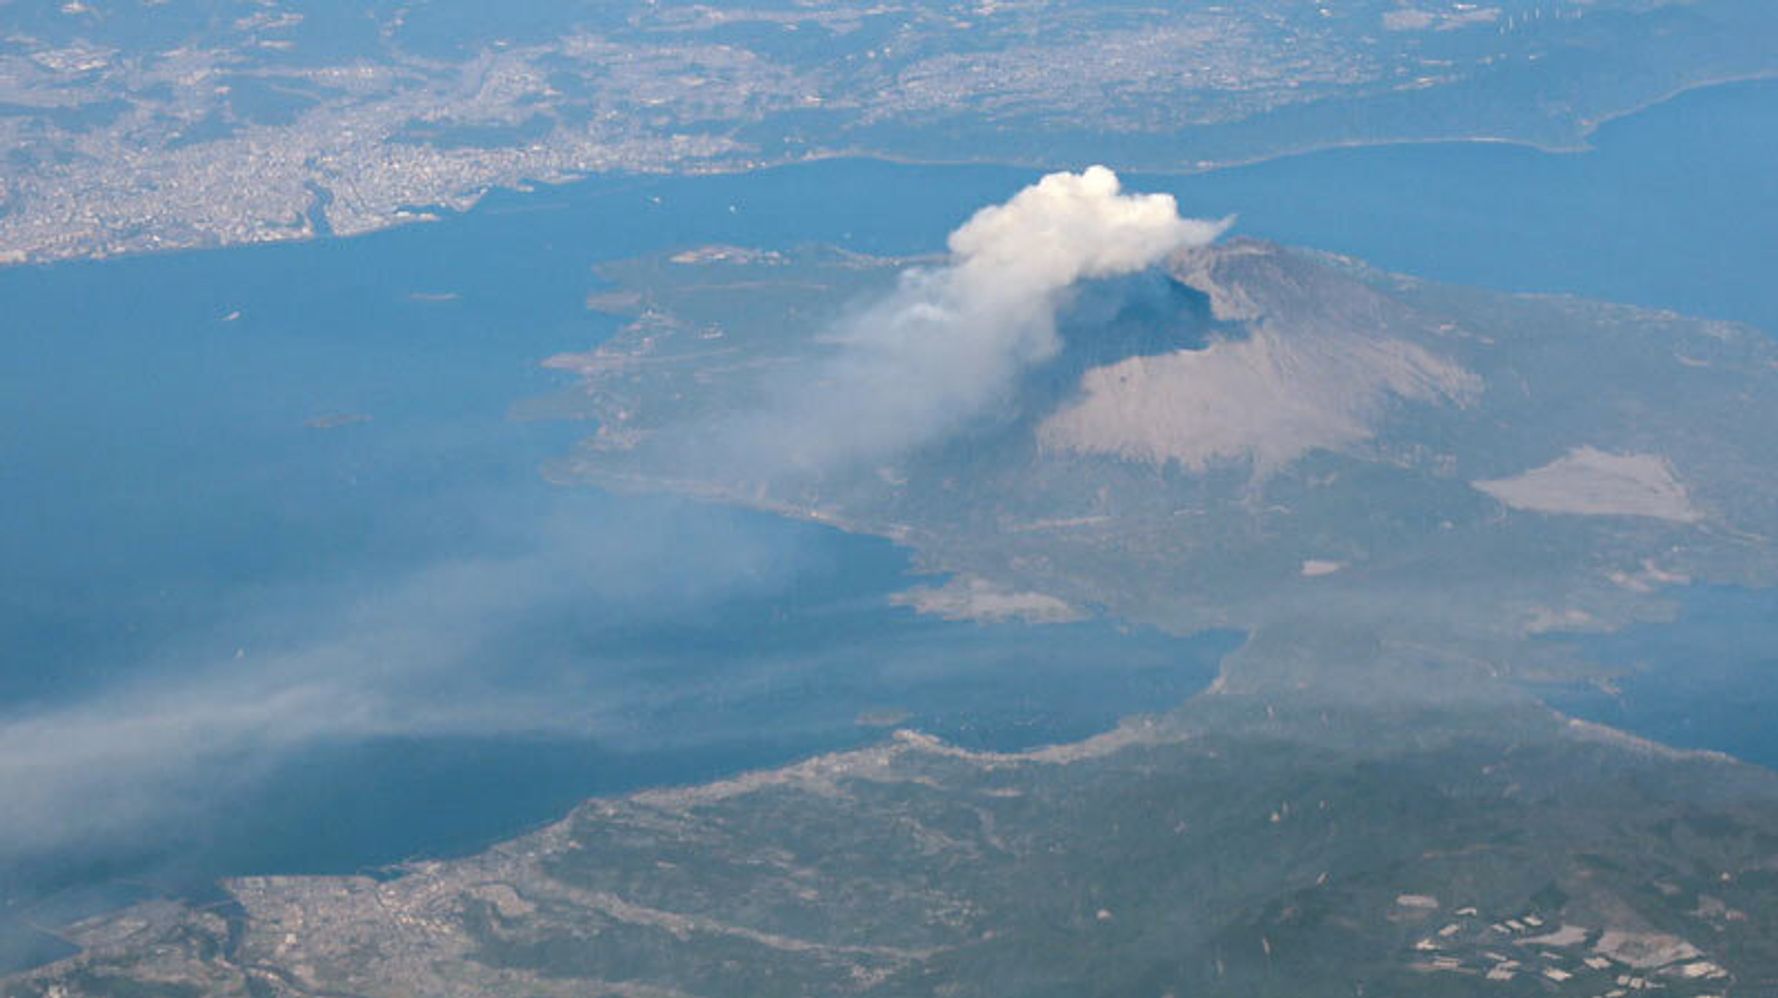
293, 450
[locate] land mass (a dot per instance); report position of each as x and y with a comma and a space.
133, 131
1243, 844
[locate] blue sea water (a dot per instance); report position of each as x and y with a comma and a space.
216, 456
218, 460
1672, 208
1707, 680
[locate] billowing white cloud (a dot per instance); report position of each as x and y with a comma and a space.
1267, 399
1066, 227
949, 343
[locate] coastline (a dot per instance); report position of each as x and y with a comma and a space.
1588, 127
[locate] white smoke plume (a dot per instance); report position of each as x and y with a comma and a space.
949, 343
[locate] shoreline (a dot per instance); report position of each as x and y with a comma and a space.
21, 259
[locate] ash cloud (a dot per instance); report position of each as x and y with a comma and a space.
949, 343
463, 647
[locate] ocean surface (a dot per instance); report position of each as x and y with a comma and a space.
1674, 207
217, 460
303, 456
1707, 680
